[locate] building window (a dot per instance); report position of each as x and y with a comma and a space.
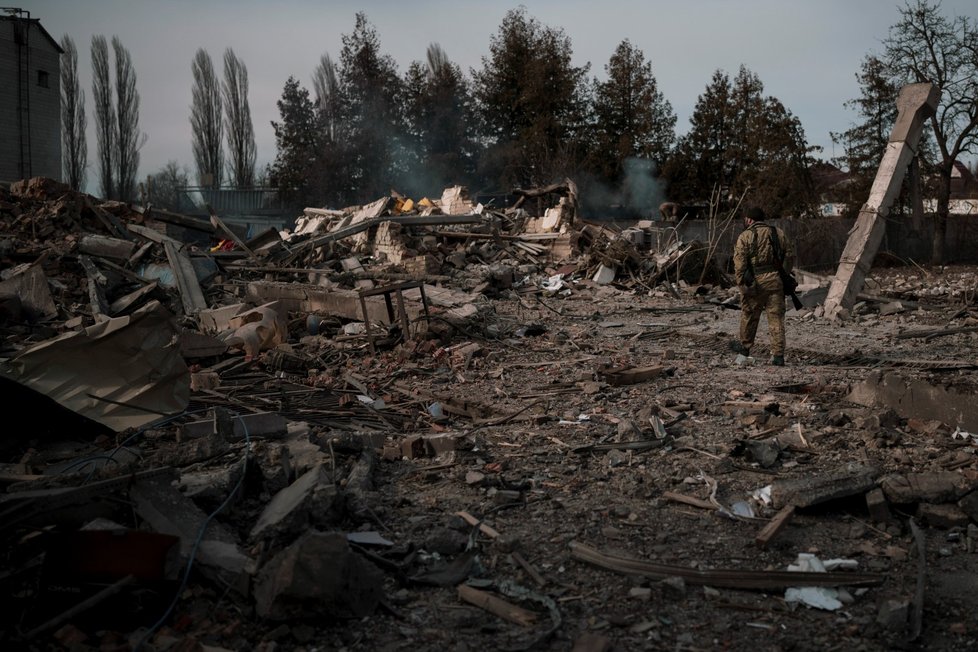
42, 78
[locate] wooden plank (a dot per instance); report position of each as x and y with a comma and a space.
152, 234
619, 377
775, 526
497, 606
473, 521
106, 247
530, 570
183, 271
688, 500
96, 282
124, 303
220, 226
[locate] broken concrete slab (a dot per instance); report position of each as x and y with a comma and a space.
310, 500
969, 504
942, 516
318, 575
604, 275
915, 103
211, 485
298, 297
168, 511
29, 284
929, 487
106, 247
808, 491
916, 398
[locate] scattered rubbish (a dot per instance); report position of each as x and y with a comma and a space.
819, 597
297, 421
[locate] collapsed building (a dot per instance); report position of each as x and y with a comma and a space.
421, 422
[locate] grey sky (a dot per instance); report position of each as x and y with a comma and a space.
805, 52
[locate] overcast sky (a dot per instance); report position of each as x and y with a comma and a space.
806, 52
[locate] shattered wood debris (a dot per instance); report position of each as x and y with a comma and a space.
392, 425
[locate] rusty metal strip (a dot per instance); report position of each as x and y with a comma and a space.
726, 578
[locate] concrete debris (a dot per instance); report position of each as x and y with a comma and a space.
312, 500
318, 575
422, 393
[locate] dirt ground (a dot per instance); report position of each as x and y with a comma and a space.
613, 501
550, 466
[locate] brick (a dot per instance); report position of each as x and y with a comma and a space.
879, 509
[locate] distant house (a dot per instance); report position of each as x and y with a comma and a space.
831, 186
963, 184
30, 99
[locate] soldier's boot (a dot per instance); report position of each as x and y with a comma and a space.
737, 347
777, 360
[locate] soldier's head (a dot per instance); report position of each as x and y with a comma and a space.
753, 214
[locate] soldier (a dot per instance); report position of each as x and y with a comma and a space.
755, 271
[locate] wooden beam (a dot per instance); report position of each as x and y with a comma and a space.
183, 271
497, 606
774, 526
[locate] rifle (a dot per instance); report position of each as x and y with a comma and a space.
787, 280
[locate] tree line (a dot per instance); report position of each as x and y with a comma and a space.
219, 108
528, 117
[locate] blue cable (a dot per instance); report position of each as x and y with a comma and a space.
200, 537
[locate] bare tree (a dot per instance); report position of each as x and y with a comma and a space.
326, 86
927, 46
241, 131
207, 121
166, 185
73, 144
129, 139
105, 117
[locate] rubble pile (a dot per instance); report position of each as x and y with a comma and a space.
436, 424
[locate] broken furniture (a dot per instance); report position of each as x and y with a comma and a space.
395, 290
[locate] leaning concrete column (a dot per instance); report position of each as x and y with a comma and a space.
916, 103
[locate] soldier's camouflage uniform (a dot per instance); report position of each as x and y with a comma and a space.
753, 253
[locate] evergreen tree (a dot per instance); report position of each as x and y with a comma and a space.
371, 112
439, 116
335, 161
533, 103
742, 143
635, 128
297, 146
633, 118
864, 143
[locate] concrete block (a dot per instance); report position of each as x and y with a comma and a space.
604, 275
318, 576
310, 500
942, 516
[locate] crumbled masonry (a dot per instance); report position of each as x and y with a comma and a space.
429, 424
